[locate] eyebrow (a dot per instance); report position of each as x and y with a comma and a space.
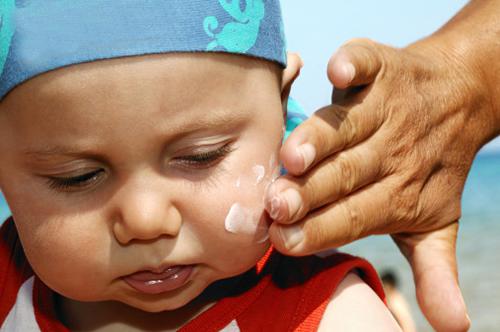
217, 120
45, 152
52, 150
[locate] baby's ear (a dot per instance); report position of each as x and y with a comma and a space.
291, 72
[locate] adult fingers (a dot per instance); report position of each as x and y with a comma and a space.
357, 62
289, 198
331, 129
344, 221
433, 261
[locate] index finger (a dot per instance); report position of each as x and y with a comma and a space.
331, 129
363, 213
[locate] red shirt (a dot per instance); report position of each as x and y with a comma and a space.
280, 294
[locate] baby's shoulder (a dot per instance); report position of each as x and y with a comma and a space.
332, 291
16, 280
354, 306
303, 289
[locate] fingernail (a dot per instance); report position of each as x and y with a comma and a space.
291, 235
308, 153
293, 200
349, 71
275, 208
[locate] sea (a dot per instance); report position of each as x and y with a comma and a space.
478, 245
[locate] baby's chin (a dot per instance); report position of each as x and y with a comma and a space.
169, 301
160, 306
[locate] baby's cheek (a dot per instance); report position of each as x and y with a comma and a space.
246, 215
69, 258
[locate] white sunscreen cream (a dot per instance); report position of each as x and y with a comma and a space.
252, 221
259, 172
242, 220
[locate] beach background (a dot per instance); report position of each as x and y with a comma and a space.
315, 29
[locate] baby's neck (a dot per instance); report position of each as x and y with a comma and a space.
111, 316
114, 316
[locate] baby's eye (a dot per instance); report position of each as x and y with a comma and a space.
205, 159
75, 183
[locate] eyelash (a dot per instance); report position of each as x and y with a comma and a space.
202, 160
75, 182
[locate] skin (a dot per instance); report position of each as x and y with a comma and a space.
131, 127
345, 309
392, 153
147, 204
399, 308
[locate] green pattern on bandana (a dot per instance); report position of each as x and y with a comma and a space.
6, 29
240, 35
294, 117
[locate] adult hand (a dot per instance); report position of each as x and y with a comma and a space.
391, 155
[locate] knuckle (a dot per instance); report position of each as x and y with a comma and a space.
310, 193
346, 174
405, 204
320, 127
336, 117
363, 45
451, 211
304, 132
456, 210
315, 125
349, 129
316, 238
377, 162
360, 41
354, 220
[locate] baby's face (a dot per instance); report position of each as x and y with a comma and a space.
142, 179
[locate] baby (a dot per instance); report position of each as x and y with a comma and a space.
137, 140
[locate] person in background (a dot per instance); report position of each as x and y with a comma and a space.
396, 302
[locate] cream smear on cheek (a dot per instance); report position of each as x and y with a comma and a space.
259, 171
251, 221
243, 220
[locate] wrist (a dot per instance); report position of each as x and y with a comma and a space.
460, 84
478, 59
467, 46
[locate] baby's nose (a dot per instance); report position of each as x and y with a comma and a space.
145, 215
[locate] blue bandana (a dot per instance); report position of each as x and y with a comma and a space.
37, 36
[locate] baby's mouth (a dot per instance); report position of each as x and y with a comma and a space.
160, 280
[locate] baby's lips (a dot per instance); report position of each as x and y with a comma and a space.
153, 275
149, 282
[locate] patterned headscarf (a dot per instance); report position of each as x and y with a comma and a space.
37, 36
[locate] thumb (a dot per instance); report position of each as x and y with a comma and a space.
433, 261
356, 63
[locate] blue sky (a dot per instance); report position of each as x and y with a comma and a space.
317, 28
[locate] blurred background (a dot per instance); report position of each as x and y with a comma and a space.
316, 29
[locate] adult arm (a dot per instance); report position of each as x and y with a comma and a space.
391, 154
